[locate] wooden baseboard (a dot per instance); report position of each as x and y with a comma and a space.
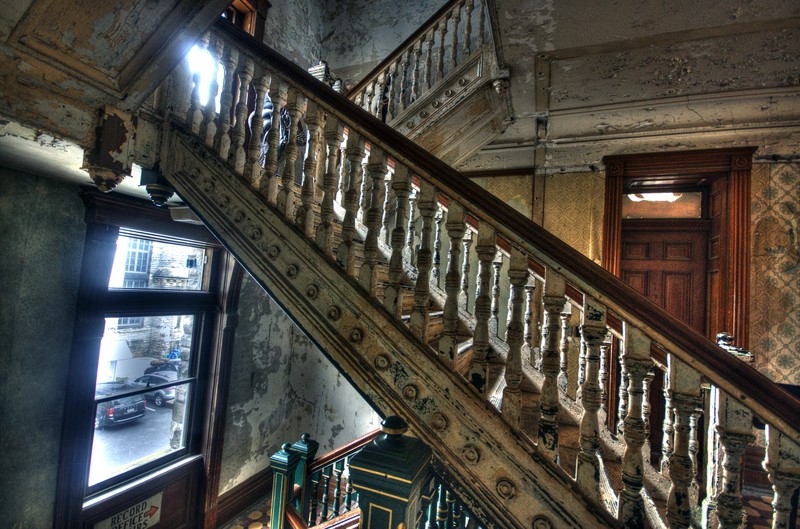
244, 495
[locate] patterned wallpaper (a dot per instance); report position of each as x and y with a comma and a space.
573, 210
775, 271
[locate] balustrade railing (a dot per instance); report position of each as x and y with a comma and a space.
505, 310
446, 41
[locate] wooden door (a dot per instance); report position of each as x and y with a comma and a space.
667, 262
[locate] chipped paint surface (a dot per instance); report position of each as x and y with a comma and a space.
295, 30
282, 386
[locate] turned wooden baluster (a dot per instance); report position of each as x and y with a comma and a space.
448, 343
338, 467
527, 336
485, 248
684, 396
782, 464
636, 356
553, 302
622, 406
428, 59
420, 315
463, 295
512, 394
404, 91
416, 73
346, 255
253, 170
391, 103
411, 233
315, 482
451, 502
432, 508
442, 508
348, 490
468, 27
238, 155
442, 36
733, 425
334, 134
494, 321
194, 116
401, 186
222, 140
295, 107
668, 428
306, 215
376, 170
456, 17
593, 333
437, 245
563, 375
389, 211
208, 128
605, 349
536, 323
277, 96
326, 483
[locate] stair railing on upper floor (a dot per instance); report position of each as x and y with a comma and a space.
350, 158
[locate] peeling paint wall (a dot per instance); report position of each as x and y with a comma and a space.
358, 34
39, 220
295, 29
282, 386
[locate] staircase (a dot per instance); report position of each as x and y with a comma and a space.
472, 349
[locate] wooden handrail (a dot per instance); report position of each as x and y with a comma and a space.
338, 453
770, 402
401, 49
293, 517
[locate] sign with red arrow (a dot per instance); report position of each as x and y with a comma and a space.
141, 515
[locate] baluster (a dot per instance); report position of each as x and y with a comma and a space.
238, 154
424, 506
278, 97
333, 137
563, 375
391, 104
622, 407
389, 210
782, 464
553, 301
468, 27
346, 255
536, 323
411, 233
442, 509
481, 24
194, 116
369, 97
734, 429
458, 513
485, 248
527, 336
306, 216
222, 141
208, 128
428, 59
683, 393
337, 490
593, 332
448, 343
401, 185
376, 169
381, 93
416, 50
312, 515
668, 428
512, 394
420, 315
494, 322
295, 106
636, 357
348, 490
404, 95
326, 484
437, 244
431, 522
253, 170
442, 39
451, 502
605, 349
456, 16
463, 296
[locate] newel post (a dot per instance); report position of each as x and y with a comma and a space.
306, 448
388, 474
283, 463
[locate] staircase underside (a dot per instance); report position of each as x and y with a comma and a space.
393, 370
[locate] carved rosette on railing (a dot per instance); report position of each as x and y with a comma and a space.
336, 254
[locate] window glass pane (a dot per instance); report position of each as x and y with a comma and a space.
145, 264
136, 346
663, 205
133, 431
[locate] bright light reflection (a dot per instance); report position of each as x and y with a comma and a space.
200, 61
654, 197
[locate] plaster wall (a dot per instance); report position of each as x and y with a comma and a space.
295, 30
573, 210
41, 246
281, 387
358, 34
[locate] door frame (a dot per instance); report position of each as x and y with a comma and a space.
731, 169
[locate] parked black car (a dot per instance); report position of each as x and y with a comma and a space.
158, 367
121, 409
158, 397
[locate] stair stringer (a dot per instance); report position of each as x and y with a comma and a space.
509, 484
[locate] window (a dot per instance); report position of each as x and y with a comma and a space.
157, 315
